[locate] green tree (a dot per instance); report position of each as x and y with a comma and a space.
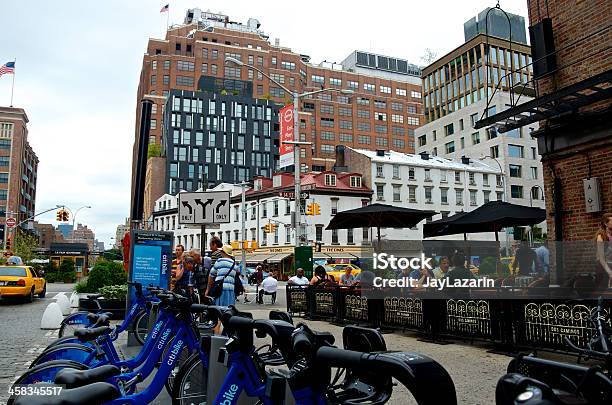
154, 150
112, 254
24, 245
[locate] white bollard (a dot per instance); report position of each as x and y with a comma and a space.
63, 303
52, 317
74, 300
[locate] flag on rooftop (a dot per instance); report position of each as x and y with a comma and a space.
7, 68
165, 8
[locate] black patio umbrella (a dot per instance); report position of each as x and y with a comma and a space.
490, 217
379, 216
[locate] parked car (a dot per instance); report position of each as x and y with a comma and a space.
21, 281
338, 269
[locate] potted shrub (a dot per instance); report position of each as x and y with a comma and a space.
114, 299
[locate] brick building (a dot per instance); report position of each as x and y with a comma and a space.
18, 167
572, 59
47, 234
383, 112
83, 234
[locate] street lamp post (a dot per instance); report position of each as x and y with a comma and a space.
505, 196
296, 142
74, 214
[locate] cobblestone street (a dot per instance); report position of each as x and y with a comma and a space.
21, 336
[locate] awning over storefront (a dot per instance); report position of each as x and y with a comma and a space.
279, 257
257, 258
334, 255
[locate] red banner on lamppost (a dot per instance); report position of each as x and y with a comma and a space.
286, 135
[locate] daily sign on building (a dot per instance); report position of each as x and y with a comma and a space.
209, 207
286, 135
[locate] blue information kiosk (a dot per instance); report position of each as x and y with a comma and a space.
150, 262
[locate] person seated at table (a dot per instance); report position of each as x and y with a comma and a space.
421, 276
525, 258
298, 279
365, 279
443, 268
347, 278
321, 277
268, 287
458, 271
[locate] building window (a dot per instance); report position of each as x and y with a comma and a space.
185, 66
516, 191
472, 179
444, 196
327, 148
415, 94
327, 122
317, 79
459, 196
184, 81
397, 192
381, 141
397, 118
411, 175
364, 140
422, 140
319, 233
428, 196
534, 173
335, 82
449, 129
401, 92
396, 171
457, 177
450, 147
385, 89
491, 133
487, 196
473, 119
515, 151
412, 194
494, 151
379, 170
355, 181
3, 177
534, 153
475, 138
334, 206
330, 179
535, 193
515, 171
472, 197
334, 236
413, 121
369, 87
380, 192
353, 85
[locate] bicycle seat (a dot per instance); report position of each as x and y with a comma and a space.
93, 394
363, 339
89, 334
281, 316
93, 317
426, 379
73, 378
93, 296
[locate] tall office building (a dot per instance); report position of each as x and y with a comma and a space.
382, 113
483, 76
211, 137
18, 168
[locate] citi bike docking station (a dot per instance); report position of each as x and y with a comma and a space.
300, 366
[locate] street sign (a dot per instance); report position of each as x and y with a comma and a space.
290, 195
11, 222
286, 135
208, 207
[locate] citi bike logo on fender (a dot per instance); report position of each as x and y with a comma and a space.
162, 340
156, 329
176, 349
229, 395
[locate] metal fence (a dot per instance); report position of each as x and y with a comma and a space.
534, 324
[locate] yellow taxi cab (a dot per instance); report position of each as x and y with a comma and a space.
337, 269
21, 281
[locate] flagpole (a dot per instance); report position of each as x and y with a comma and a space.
167, 19
13, 85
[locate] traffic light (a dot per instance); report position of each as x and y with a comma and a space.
245, 244
235, 244
65, 216
267, 228
317, 209
59, 216
253, 244
273, 227
8, 243
310, 209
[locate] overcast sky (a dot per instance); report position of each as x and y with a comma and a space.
78, 64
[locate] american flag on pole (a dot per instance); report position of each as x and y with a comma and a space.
165, 8
7, 68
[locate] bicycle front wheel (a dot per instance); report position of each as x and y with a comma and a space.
191, 383
140, 327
